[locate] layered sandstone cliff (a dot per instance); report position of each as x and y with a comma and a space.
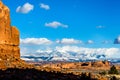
9, 40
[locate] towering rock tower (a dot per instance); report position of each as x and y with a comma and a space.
9, 39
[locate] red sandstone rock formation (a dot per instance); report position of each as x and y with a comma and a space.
9, 40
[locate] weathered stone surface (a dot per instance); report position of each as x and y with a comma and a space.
9, 40
15, 36
96, 65
100, 64
2, 65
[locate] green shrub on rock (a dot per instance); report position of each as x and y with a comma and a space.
113, 70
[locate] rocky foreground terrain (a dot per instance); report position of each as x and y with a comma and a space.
61, 71
99, 70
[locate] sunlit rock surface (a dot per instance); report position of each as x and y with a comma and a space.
9, 41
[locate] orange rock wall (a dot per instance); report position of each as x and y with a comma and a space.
9, 36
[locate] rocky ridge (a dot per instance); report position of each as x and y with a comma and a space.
103, 65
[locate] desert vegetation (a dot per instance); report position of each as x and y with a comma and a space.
113, 70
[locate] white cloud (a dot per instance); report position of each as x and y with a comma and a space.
67, 49
36, 41
55, 24
117, 40
44, 6
23, 50
68, 41
90, 42
26, 8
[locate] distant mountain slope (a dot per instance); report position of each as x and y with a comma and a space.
66, 56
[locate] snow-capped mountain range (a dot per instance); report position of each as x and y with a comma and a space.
65, 56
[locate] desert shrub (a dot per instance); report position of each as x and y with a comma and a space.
113, 70
103, 73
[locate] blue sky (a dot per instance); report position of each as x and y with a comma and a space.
81, 16
83, 23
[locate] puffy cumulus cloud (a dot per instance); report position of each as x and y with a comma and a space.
35, 41
69, 41
68, 49
56, 24
26, 8
117, 40
90, 42
47, 50
44, 6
